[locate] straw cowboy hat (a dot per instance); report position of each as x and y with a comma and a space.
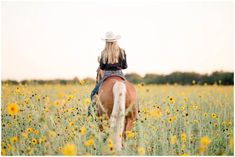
111, 37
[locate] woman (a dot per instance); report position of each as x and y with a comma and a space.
112, 61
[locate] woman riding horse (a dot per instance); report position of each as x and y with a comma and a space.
116, 96
112, 61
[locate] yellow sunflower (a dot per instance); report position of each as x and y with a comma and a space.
204, 142
82, 130
3, 152
29, 130
170, 119
130, 134
141, 151
89, 142
173, 139
14, 139
183, 137
69, 150
12, 109
34, 141
87, 101
110, 144
213, 115
171, 100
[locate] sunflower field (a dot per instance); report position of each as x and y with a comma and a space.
173, 120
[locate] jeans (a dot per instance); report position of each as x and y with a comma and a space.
96, 89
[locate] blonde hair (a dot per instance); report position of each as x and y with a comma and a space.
111, 53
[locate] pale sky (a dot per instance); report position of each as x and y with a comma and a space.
47, 40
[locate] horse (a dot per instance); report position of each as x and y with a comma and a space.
118, 100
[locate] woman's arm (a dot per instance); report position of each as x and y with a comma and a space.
102, 65
124, 62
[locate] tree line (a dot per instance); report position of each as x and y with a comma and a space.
182, 78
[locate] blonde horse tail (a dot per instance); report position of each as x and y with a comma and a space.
117, 119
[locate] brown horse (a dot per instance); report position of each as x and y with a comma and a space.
117, 99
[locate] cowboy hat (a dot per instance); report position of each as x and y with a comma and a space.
111, 37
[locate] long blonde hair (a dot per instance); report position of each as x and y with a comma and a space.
111, 53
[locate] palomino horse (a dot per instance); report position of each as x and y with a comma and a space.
117, 98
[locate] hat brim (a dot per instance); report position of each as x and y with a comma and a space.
112, 39
109, 40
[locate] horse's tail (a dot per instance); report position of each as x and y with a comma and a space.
117, 119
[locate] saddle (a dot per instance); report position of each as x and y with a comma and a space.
114, 75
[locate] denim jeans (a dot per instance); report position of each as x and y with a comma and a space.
96, 89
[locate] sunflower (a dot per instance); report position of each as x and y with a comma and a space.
51, 133
70, 97
69, 150
87, 101
42, 139
29, 117
12, 109
14, 139
3, 152
213, 115
183, 137
155, 113
25, 135
195, 121
171, 100
34, 141
82, 130
204, 142
130, 134
223, 123
167, 112
35, 132
56, 103
170, 119
182, 108
89, 142
29, 130
71, 123
229, 123
110, 144
141, 151
173, 139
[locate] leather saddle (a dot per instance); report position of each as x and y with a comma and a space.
114, 75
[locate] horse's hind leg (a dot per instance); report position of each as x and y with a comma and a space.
130, 119
128, 125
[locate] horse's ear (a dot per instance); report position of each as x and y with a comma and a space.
98, 59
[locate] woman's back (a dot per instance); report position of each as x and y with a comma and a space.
121, 64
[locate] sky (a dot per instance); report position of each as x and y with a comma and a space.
49, 39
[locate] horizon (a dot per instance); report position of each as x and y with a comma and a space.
87, 77
47, 40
